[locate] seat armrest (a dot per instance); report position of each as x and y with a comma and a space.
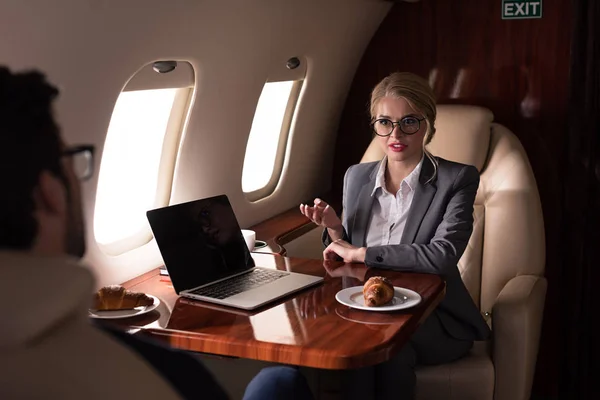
516, 323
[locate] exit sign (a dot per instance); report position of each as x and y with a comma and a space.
521, 9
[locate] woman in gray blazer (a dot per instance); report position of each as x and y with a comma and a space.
410, 211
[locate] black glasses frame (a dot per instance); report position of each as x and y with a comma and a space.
393, 125
86, 148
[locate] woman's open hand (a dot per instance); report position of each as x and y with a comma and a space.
323, 215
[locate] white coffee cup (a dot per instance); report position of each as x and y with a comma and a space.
250, 238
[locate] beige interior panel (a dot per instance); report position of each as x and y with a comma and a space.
91, 48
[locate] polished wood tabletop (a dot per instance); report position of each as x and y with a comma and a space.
308, 328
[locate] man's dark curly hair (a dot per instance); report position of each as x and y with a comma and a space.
29, 143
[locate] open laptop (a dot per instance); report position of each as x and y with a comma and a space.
207, 257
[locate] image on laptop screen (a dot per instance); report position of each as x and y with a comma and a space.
200, 241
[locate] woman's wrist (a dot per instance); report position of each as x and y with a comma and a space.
361, 254
336, 233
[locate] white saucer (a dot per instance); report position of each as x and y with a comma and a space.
125, 313
403, 298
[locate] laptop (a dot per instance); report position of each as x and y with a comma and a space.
207, 258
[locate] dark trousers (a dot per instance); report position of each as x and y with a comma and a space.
396, 379
192, 380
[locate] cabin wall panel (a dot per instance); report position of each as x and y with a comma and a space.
91, 48
517, 68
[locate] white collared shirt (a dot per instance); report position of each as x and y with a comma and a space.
389, 213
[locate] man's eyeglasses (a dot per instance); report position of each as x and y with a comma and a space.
384, 127
83, 160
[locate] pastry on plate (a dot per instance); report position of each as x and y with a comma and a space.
116, 297
378, 290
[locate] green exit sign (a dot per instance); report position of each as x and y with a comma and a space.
521, 9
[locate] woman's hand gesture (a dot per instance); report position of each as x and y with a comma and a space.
323, 215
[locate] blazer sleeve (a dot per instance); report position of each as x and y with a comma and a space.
326, 239
443, 252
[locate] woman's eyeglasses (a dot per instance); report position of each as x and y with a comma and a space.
384, 127
83, 160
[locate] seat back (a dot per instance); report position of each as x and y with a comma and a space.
508, 231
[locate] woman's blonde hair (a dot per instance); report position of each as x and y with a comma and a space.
417, 92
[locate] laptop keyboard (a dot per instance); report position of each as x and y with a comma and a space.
241, 283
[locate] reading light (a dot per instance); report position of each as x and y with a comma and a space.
293, 63
163, 67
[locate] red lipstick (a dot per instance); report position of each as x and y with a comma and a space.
397, 147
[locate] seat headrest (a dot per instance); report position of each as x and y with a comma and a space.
462, 135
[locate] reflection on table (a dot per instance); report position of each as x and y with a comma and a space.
308, 328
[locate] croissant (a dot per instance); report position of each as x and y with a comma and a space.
116, 297
378, 291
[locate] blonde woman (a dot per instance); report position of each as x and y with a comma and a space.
410, 211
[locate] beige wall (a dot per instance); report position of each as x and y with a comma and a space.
90, 48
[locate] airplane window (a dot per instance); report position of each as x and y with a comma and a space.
140, 152
129, 169
129, 180
266, 144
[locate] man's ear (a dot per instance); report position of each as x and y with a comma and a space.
50, 195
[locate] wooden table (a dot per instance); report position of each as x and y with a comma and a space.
309, 328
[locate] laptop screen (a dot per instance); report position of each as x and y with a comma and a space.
200, 241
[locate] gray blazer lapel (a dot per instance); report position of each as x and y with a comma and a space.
363, 212
422, 199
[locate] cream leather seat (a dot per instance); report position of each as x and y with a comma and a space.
503, 265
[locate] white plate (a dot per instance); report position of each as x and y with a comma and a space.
403, 298
125, 313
